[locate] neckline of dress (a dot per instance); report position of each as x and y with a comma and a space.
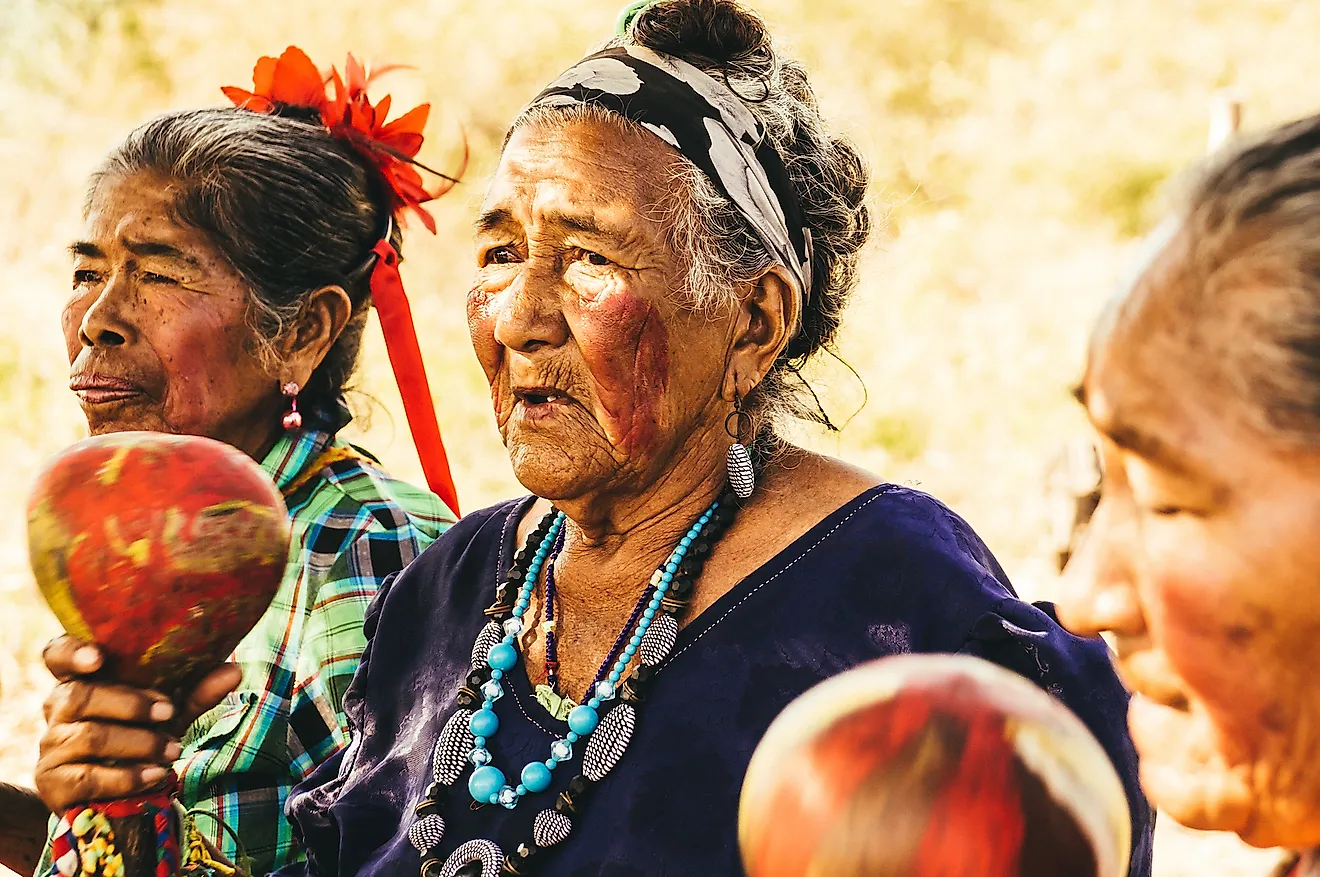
519, 683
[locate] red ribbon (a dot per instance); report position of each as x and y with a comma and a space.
409, 372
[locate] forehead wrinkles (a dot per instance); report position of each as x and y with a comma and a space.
1208, 322
584, 166
137, 206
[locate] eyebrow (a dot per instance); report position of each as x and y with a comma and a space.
137, 248
491, 220
1149, 447
497, 218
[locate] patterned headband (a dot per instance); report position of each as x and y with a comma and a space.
706, 122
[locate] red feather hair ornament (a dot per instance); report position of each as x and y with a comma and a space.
292, 80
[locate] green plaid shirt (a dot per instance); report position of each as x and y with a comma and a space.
353, 525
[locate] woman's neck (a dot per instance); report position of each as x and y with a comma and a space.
613, 544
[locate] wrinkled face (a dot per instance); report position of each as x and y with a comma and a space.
1203, 561
597, 374
156, 327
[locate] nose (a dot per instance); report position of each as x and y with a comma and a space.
529, 315
107, 319
1098, 591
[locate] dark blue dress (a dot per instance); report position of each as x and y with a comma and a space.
891, 571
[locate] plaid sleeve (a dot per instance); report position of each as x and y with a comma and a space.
333, 641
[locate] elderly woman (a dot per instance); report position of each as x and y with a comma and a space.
1202, 560
221, 288
573, 683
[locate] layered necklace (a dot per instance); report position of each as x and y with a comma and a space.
601, 726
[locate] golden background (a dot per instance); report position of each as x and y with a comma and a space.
1019, 147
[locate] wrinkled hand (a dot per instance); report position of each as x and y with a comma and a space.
106, 741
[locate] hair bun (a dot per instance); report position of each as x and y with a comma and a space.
717, 32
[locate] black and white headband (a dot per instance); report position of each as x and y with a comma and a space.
706, 122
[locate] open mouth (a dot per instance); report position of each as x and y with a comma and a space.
537, 396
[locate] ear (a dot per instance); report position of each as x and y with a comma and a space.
305, 346
763, 323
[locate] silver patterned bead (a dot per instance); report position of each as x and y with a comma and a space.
608, 742
742, 477
492, 633
562, 750
658, 640
483, 851
427, 833
513, 626
452, 748
479, 757
550, 828
507, 797
605, 690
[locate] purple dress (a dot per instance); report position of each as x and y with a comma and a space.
891, 571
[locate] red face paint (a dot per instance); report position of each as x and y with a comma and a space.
625, 346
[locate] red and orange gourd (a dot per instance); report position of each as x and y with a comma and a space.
163, 550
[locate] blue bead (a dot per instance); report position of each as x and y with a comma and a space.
629, 651
594, 703
636, 640
662, 588
536, 777
646, 616
485, 783
643, 625
479, 742
487, 704
615, 675
499, 674
670, 569
571, 737
667, 578
552, 763
522, 789
494, 799
685, 541
502, 656
583, 720
484, 723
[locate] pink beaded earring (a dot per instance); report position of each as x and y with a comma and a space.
292, 419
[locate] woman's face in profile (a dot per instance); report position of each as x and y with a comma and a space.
1203, 561
157, 326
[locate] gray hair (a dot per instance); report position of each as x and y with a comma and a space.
291, 208
826, 171
1247, 251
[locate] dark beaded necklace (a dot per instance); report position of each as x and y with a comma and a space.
551, 626
482, 858
552, 642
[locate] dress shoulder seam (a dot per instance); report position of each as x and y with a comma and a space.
785, 568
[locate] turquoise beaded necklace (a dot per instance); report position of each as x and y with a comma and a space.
488, 784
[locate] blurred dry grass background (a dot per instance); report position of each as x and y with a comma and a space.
1019, 148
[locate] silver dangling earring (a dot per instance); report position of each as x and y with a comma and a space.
292, 419
742, 475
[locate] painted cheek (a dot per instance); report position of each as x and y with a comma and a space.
625, 345
1217, 643
205, 367
481, 310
